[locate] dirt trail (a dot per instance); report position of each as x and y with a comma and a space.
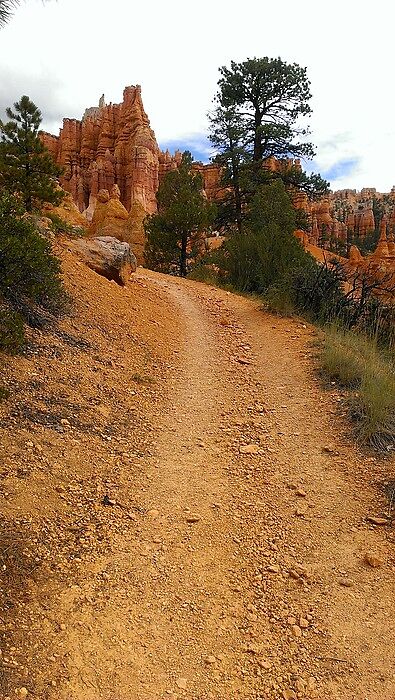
237, 535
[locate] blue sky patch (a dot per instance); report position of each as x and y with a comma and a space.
197, 144
340, 169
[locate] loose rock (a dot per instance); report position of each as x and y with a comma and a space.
373, 560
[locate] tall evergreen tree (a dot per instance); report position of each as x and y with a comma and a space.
256, 116
269, 96
229, 139
183, 214
26, 166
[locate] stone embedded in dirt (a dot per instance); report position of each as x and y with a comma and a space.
329, 450
376, 521
301, 493
346, 582
289, 695
254, 648
303, 623
296, 631
373, 560
182, 683
249, 449
21, 692
193, 519
243, 361
274, 569
210, 659
107, 501
153, 513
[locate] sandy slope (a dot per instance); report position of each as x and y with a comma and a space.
181, 509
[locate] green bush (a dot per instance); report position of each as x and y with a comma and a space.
262, 256
314, 290
30, 284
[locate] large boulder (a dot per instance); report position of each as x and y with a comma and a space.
107, 256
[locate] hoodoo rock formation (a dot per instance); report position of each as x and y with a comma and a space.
347, 214
112, 167
112, 145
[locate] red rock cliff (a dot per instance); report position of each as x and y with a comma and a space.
112, 144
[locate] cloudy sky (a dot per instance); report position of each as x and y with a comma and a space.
64, 54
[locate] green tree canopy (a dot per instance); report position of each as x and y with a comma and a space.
269, 96
26, 167
258, 112
183, 215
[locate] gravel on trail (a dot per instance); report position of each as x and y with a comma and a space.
184, 514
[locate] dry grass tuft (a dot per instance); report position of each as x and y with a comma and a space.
357, 363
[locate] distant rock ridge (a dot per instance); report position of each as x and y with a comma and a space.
114, 145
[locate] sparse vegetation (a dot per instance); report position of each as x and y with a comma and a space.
61, 227
357, 363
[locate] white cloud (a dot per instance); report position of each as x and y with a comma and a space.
65, 53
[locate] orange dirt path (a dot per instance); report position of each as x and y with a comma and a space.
228, 559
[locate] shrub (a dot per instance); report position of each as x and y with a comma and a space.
30, 284
11, 330
267, 251
59, 226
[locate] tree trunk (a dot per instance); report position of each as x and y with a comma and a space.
257, 137
236, 187
183, 255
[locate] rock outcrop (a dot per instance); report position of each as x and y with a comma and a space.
112, 144
113, 149
109, 214
133, 231
68, 211
107, 256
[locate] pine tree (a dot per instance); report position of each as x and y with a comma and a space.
257, 115
26, 167
184, 214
